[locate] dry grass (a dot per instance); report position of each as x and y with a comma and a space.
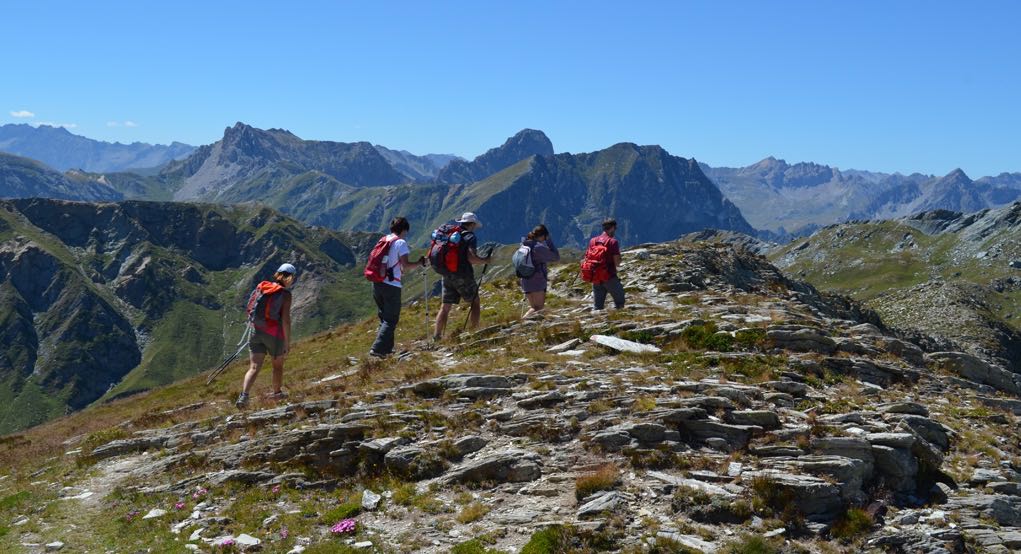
604, 478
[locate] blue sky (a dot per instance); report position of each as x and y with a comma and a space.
888, 86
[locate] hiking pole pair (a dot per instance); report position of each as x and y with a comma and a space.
478, 288
242, 344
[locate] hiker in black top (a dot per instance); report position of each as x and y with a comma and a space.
462, 285
387, 293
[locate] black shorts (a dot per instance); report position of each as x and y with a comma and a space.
263, 343
457, 287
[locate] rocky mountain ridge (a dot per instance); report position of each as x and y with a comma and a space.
954, 276
24, 178
799, 198
729, 409
60, 149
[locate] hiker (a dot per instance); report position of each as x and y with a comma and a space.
270, 305
536, 251
599, 266
458, 276
387, 292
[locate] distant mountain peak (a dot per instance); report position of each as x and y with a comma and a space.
958, 174
524, 144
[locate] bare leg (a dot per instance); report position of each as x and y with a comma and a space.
278, 373
441, 320
476, 312
536, 302
253, 371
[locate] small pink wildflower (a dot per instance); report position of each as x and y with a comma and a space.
131, 515
227, 542
275, 489
199, 493
284, 533
179, 506
344, 527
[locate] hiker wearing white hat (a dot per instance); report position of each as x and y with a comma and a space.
269, 311
460, 283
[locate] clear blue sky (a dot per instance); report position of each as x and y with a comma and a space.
880, 85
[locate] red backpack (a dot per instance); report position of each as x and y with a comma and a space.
595, 267
263, 308
445, 249
375, 270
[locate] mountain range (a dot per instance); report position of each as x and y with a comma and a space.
359, 186
104, 300
796, 199
62, 150
354, 186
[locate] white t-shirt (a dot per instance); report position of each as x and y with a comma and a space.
393, 260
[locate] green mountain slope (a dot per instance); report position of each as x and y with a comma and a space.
104, 300
957, 276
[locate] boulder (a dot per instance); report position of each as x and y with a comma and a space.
737, 436
816, 498
413, 462
975, 369
762, 418
800, 339
621, 345
897, 466
508, 466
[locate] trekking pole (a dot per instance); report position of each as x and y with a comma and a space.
478, 289
242, 344
425, 298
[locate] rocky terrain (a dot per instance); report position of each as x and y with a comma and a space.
727, 409
955, 277
100, 300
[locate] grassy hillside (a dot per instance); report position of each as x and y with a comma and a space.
105, 300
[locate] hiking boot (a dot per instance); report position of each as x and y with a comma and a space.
278, 395
375, 354
242, 401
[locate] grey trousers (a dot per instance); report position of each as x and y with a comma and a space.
613, 287
388, 308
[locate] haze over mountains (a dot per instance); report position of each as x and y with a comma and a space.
784, 198
60, 149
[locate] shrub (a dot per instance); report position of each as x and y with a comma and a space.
472, 512
551, 540
853, 523
474, 546
751, 544
602, 479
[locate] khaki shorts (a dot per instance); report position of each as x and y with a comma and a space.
262, 343
458, 287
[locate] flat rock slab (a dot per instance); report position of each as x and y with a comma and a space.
690, 483
621, 345
606, 502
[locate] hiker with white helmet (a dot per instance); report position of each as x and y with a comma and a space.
269, 307
453, 252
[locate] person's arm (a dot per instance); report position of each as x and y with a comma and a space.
555, 254
285, 322
616, 254
407, 264
474, 258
